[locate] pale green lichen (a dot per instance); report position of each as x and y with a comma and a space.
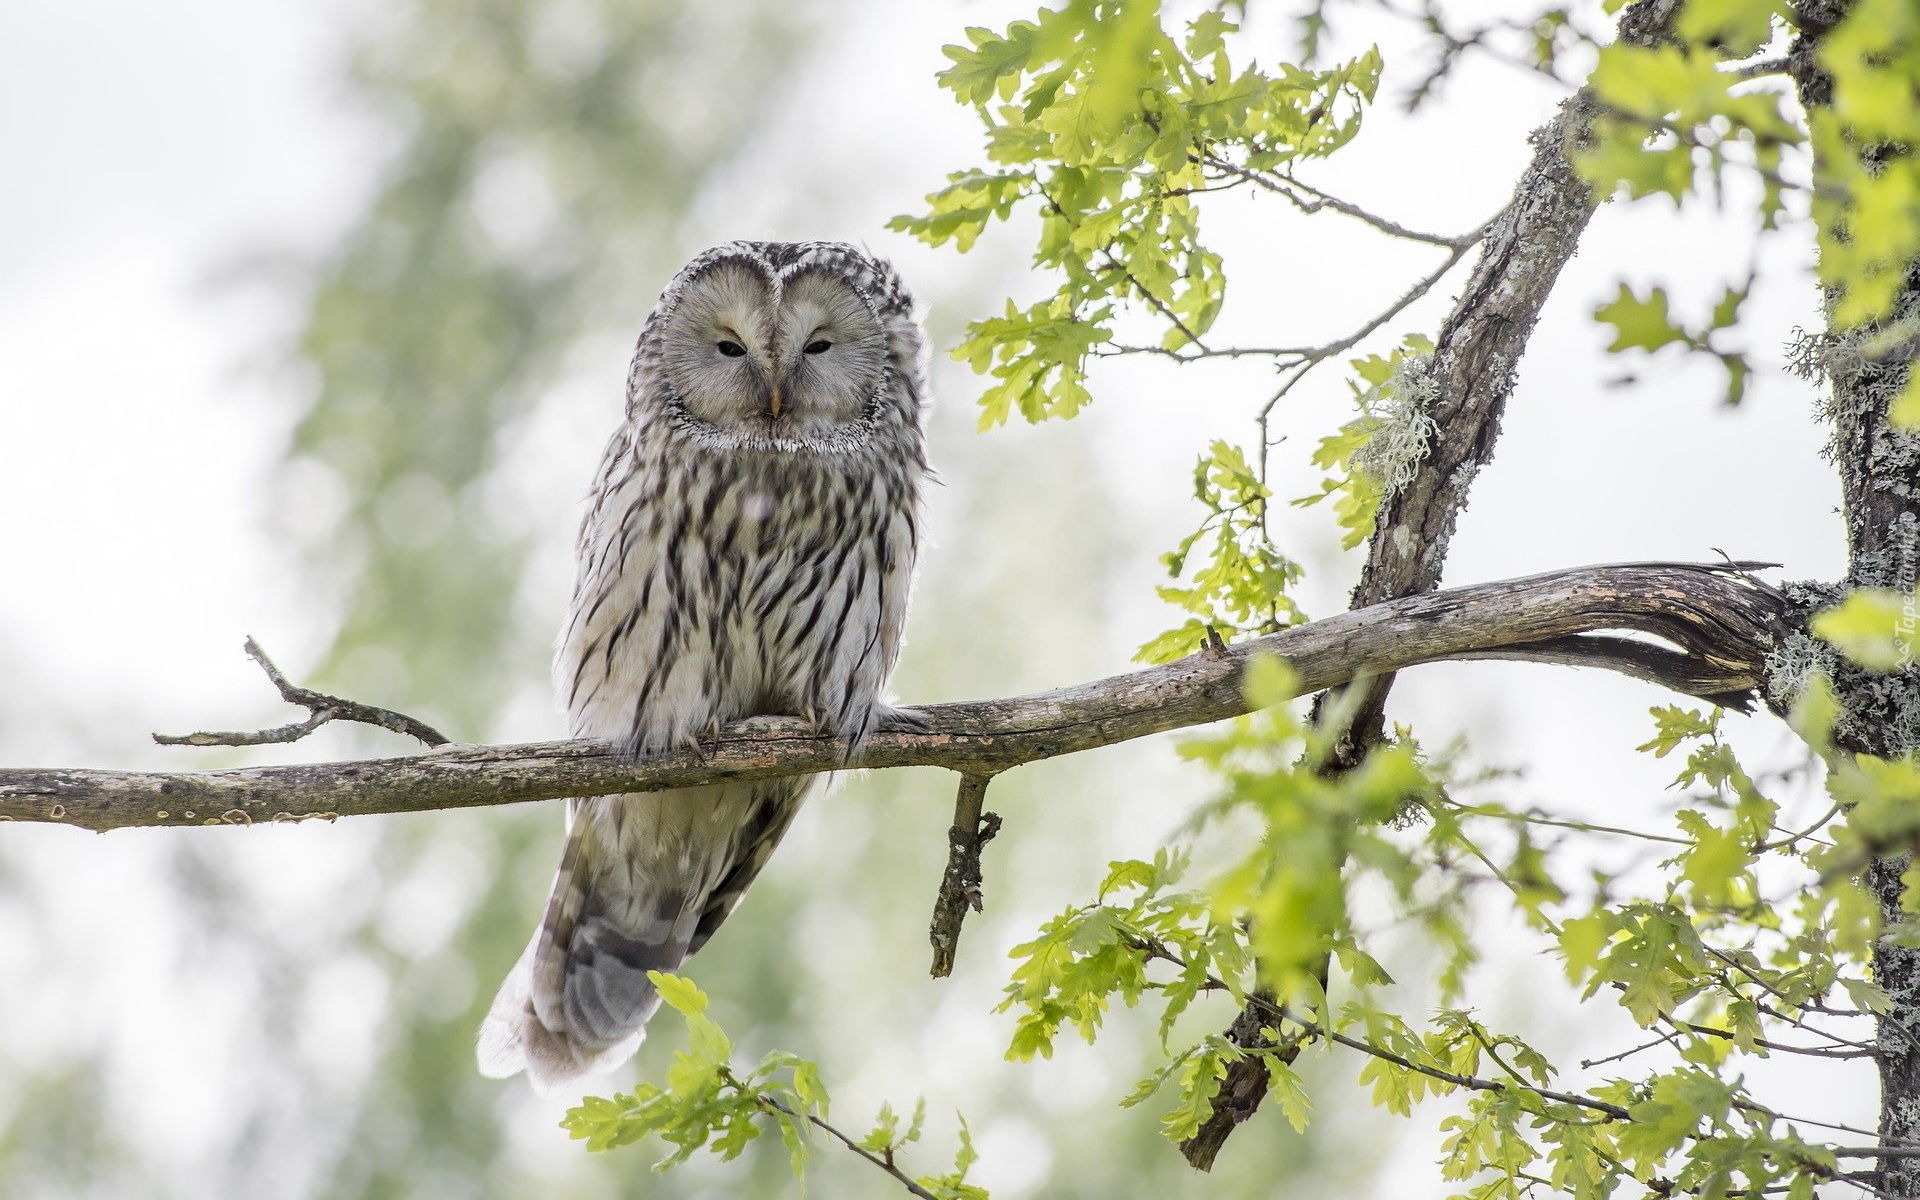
1868, 367
1895, 563
1792, 664
1878, 712
1403, 431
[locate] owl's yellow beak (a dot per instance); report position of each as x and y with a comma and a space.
773, 401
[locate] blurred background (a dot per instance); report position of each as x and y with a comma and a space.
314, 318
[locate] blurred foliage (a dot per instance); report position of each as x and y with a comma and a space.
549, 150
548, 153
1644, 323
53, 1142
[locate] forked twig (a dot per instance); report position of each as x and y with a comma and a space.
321, 708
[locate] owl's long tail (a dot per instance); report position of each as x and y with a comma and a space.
579, 998
643, 883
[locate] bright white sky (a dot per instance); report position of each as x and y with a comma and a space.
146, 148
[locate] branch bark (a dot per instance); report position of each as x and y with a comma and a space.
1719, 619
960, 883
1476, 358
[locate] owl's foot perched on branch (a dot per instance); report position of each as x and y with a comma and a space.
704, 745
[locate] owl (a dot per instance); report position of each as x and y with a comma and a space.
747, 549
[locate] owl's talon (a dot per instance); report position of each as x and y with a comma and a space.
698, 747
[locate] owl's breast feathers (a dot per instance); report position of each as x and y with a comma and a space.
720, 584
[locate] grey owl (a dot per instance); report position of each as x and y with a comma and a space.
747, 549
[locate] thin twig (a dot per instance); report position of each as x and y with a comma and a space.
1874, 1151
1114, 264
1292, 190
1663, 1040
1808, 832
1853, 1129
1471, 810
1763, 68
1160, 306
1314, 1029
905, 1180
1767, 986
1766, 1044
321, 709
1117, 349
1320, 354
1453, 45
960, 885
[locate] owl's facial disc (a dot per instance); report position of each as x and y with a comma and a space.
719, 344
830, 350
794, 368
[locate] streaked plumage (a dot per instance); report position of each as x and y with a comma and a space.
747, 549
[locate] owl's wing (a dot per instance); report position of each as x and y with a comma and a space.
777, 801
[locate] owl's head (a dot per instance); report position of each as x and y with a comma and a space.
784, 343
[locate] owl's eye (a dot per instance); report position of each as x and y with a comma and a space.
731, 349
819, 347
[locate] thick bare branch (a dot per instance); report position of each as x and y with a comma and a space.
1719, 619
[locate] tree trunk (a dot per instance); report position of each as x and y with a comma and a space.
1879, 469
